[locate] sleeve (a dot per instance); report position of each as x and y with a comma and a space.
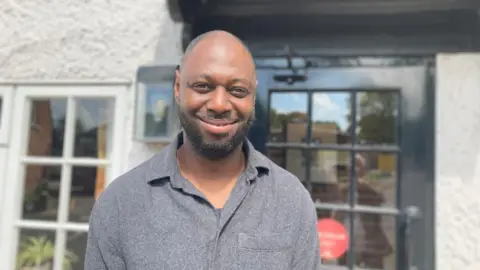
306, 251
103, 245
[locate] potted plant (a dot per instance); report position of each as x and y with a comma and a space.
36, 253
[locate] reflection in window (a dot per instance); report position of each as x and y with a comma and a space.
377, 117
76, 243
288, 117
158, 107
292, 160
377, 179
93, 138
87, 185
375, 241
93, 126
47, 127
331, 113
329, 174
41, 191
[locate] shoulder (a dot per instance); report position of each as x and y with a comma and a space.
126, 189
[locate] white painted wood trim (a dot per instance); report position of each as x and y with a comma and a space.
13, 182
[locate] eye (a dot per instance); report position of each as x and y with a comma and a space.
239, 92
201, 86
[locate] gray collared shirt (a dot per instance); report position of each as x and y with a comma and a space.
153, 218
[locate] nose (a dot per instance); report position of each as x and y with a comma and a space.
219, 101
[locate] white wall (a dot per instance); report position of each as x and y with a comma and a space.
458, 162
87, 40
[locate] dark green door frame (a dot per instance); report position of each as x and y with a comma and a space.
414, 81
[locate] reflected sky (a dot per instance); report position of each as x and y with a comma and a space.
326, 106
89, 111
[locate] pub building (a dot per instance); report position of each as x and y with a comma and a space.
373, 105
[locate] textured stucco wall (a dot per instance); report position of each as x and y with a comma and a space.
458, 162
94, 39
87, 40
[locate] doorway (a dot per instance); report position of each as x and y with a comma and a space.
357, 136
65, 148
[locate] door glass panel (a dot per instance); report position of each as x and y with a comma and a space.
36, 249
76, 243
87, 184
291, 159
47, 127
93, 126
377, 114
329, 176
333, 234
331, 114
41, 187
375, 241
377, 179
288, 117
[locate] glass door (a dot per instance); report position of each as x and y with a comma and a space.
67, 148
358, 139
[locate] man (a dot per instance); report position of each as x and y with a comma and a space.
209, 200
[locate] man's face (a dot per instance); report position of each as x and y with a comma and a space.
215, 92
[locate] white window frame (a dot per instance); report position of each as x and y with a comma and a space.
11, 221
6, 94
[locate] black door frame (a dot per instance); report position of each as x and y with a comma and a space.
419, 161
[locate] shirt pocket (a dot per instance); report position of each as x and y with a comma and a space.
265, 251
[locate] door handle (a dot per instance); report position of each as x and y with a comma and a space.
409, 215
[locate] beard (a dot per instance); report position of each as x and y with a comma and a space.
223, 145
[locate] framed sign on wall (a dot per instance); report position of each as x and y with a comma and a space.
156, 118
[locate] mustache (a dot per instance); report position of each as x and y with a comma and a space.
224, 116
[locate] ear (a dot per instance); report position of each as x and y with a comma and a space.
176, 85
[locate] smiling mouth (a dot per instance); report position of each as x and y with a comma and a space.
217, 122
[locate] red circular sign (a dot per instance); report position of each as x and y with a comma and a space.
333, 238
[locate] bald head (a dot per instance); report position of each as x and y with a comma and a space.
216, 36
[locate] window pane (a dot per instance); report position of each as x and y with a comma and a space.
87, 184
377, 114
158, 107
331, 112
42, 185
288, 117
377, 179
290, 159
76, 244
375, 241
93, 127
36, 249
47, 127
329, 172
333, 235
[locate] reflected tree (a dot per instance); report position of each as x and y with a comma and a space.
376, 114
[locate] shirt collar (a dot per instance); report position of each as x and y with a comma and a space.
164, 164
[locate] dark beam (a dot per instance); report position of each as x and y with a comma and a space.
239, 8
